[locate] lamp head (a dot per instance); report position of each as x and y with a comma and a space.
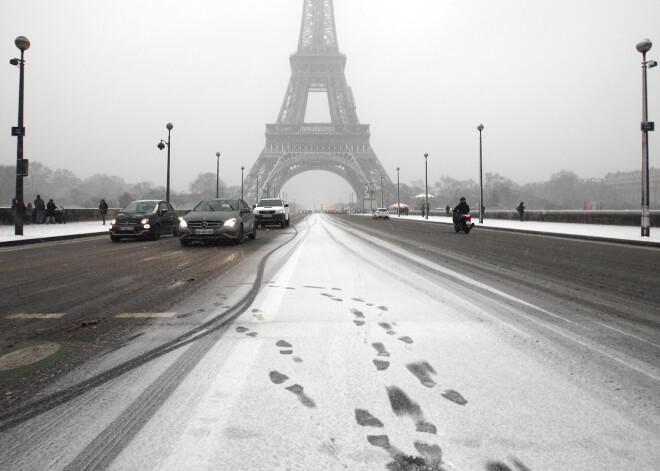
169, 126
426, 154
644, 46
242, 168
22, 43
13, 61
398, 168
217, 154
160, 145
480, 127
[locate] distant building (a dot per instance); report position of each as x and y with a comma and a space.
628, 186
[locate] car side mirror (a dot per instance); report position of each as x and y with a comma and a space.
254, 206
286, 205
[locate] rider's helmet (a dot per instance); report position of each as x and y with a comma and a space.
462, 198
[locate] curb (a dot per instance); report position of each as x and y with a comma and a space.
639, 243
15, 243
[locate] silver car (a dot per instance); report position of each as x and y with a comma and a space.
218, 220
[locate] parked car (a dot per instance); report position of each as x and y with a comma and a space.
381, 213
272, 211
145, 219
218, 220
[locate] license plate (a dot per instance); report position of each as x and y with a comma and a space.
203, 231
125, 228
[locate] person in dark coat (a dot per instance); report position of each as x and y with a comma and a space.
521, 210
448, 210
423, 208
461, 208
50, 212
39, 209
103, 209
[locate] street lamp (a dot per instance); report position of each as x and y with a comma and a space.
426, 177
481, 180
398, 196
217, 176
382, 203
644, 46
242, 168
23, 44
161, 146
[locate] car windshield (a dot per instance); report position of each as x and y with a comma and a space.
140, 207
270, 202
217, 205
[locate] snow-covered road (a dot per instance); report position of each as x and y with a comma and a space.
348, 358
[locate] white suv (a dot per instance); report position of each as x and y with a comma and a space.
271, 211
381, 213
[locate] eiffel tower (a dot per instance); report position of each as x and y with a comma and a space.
293, 146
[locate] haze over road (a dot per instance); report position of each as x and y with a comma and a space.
338, 343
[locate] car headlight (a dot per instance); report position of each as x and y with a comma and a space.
144, 221
113, 222
280, 211
230, 222
182, 223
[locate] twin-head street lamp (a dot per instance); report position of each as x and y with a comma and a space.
426, 178
644, 46
481, 179
217, 176
398, 196
23, 44
161, 146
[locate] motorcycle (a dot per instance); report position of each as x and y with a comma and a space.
463, 222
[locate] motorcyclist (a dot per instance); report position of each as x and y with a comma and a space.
462, 208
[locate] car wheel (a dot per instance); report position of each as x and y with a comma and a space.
282, 224
456, 229
115, 238
184, 242
155, 233
287, 223
175, 231
253, 235
239, 239
467, 230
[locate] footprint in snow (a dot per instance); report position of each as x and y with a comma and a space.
430, 458
279, 378
423, 370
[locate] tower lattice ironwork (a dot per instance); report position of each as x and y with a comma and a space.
293, 146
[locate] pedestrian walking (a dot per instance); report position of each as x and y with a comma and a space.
103, 209
448, 210
40, 209
50, 212
423, 206
521, 210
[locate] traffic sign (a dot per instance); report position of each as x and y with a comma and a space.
648, 126
18, 131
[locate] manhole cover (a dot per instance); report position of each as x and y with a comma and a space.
26, 356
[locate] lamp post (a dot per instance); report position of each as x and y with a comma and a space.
426, 178
257, 189
23, 44
644, 46
398, 195
161, 146
217, 176
382, 203
481, 180
242, 168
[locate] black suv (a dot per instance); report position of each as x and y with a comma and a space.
144, 219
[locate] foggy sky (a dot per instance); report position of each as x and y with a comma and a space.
556, 83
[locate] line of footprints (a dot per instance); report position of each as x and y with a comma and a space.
429, 456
